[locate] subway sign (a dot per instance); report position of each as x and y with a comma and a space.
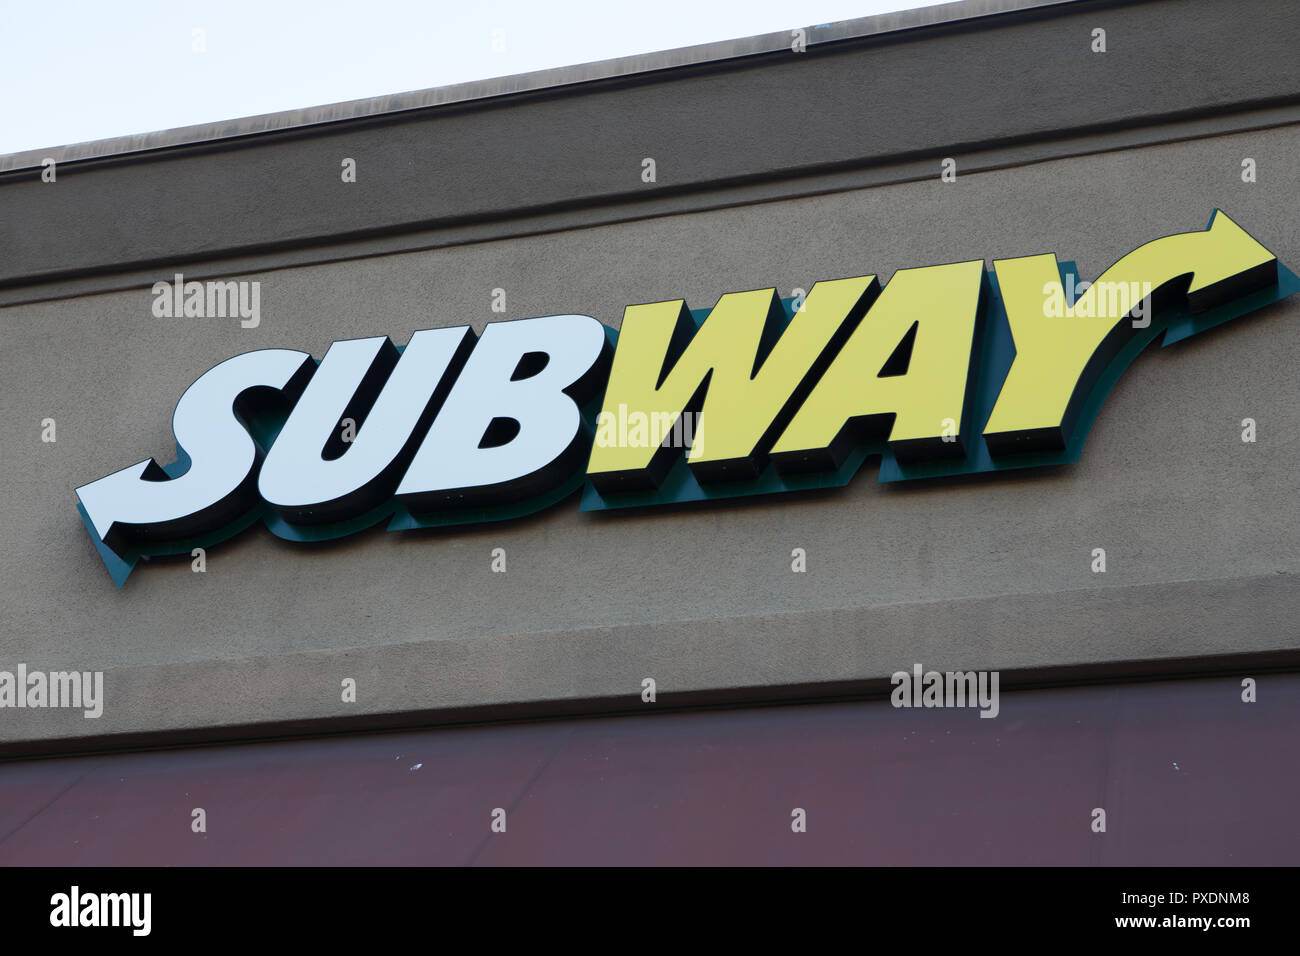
946, 370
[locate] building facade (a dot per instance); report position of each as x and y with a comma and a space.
690, 681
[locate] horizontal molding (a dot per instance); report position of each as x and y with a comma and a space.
859, 111
1150, 631
709, 199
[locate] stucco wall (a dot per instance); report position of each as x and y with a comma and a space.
1200, 529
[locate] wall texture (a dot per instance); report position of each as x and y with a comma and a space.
1200, 528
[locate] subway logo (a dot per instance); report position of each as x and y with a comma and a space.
945, 370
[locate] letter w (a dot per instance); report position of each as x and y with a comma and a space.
740, 370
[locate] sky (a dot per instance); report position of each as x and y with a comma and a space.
92, 69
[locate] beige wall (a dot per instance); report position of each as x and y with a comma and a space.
1200, 530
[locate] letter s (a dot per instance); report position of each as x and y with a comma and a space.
143, 508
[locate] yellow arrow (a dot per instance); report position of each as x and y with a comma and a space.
1060, 350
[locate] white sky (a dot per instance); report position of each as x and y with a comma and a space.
90, 69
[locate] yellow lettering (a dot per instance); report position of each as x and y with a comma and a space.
1059, 357
742, 406
940, 307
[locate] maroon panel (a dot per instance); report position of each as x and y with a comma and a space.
1187, 773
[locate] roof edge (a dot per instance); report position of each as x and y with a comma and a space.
717, 52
